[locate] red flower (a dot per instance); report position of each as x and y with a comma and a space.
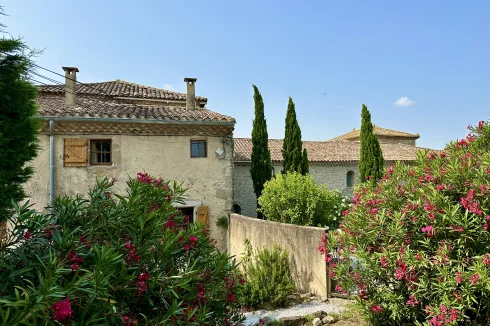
412, 301
187, 247
429, 230
231, 297
72, 256
142, 288
129, 322
193, 240
62, 310
261, 321
474, 279
170, 224
27, 235
376, 309
144, 276
74, 267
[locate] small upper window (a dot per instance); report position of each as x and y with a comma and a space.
100, 152
350, 179
198, 148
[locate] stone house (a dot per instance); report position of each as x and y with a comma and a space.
384, 136
116, 129
334, 163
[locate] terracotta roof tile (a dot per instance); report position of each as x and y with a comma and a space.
120, 88
55, 106
329, 151
378, 131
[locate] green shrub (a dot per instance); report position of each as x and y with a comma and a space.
116, 260
297, 199
222, 222
421, 238
267, 275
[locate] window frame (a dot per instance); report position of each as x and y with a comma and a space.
205, 147
351, 174
91, 152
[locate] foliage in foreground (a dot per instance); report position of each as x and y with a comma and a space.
18, 125
297, 199
421, 237
116, 260
268, 276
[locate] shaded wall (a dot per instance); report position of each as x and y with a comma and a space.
308, 265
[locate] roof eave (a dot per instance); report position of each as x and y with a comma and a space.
143, 121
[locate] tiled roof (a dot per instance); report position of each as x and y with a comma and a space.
55, 106
120, 88
378, 131
328, 151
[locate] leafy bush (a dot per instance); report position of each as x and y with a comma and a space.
116, 260
297, 199
222, 222
267, 275
422, 239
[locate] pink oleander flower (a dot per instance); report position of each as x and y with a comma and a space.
429, 230
62, 310
412, 301
376, 308
474, 279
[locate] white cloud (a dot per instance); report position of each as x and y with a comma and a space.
168, 87
404, 101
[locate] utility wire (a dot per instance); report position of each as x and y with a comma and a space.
40, 82
53, 81
53, 72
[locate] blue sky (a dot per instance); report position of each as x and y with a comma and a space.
329, 56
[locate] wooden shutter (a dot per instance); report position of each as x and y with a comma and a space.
202, 214
75, 152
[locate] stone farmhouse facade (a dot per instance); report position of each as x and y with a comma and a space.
116, 129
334, 163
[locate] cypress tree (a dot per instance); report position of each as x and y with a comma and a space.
261, 164
371, 161
18, 125
305, 166
292, 152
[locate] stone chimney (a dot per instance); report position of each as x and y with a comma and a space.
70, 85
190, 102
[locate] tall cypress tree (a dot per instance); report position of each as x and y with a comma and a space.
371, 161
18, 125
261, 165
305, 166
292, 151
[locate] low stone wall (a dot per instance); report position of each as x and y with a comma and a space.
307, 264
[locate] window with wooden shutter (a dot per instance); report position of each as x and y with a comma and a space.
202, 214
75, 152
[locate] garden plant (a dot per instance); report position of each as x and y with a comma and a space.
296, 199
115, 259
421, 239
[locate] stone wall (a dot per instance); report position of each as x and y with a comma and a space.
307, 265
209, 179
333, 176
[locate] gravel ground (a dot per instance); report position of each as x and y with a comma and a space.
302, 309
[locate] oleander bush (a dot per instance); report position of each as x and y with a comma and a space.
114, 259
421, 239
296, 199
